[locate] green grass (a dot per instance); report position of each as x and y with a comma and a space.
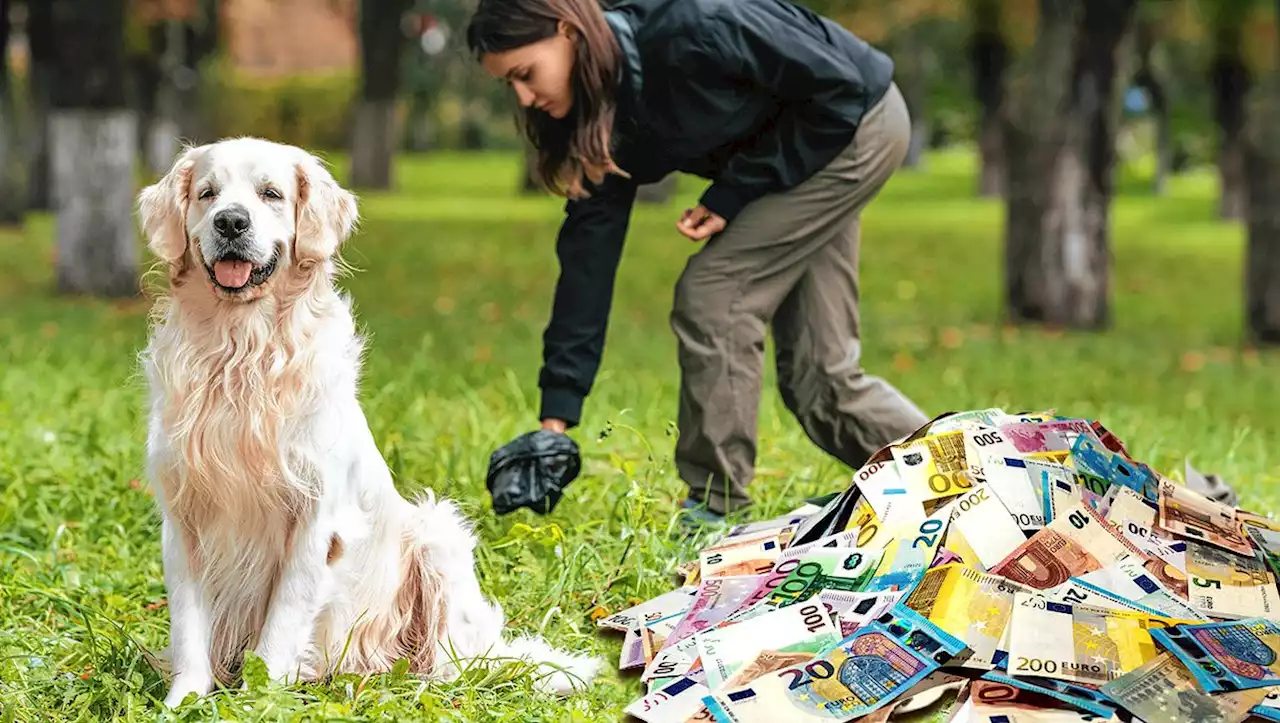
454, 280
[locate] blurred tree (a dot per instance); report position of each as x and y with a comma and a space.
373, 139
1262, 170
13, 205
93, 143
1060, 146
1230, 79
40, 47
988, 57
1151, 78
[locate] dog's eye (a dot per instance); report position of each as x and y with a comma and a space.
207, 194
272, 193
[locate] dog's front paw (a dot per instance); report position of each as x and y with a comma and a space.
184, 685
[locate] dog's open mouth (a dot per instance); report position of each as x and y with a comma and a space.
235, 273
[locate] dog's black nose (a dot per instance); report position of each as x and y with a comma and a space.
232, 221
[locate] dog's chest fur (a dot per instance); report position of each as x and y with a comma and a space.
238, 445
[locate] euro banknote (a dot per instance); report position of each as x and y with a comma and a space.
1227, 656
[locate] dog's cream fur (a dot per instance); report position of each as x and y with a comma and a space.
281, 530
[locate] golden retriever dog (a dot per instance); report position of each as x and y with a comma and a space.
281, 530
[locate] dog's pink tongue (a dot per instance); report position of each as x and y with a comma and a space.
232, 274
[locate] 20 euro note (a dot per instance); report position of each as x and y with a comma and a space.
799, 628
970, 605
1074, 643
1226, 585
1236, 655
907, 558
1076, 543
866, 671
1162, 690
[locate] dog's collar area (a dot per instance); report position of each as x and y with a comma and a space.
257, 277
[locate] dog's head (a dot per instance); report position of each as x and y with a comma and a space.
241, 212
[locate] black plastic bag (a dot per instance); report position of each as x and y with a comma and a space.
532, 471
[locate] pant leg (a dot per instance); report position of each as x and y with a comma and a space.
733, 286
845, 411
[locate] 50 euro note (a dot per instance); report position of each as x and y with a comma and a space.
861, 674
802, 628
970, 605
1074, 643
1076, 543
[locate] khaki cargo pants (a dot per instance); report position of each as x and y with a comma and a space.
789, 260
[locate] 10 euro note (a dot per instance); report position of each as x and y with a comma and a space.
1076, 543
865, 672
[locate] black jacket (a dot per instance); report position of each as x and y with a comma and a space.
754, 95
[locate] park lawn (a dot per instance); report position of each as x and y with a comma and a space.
453, 285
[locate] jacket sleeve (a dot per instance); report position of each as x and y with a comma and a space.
589, 247
778, 48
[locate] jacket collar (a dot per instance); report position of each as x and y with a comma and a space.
630, 80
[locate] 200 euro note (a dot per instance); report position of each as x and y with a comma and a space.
1010, 479
986, 524
1073, 642
866, 671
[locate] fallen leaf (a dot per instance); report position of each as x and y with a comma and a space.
951, 338
1192, 361
903, 362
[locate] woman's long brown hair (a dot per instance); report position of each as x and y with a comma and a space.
577, 147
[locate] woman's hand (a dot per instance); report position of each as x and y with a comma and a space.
555, 425
699, 224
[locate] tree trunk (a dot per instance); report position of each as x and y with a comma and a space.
13, 205
989, 56
373, 137
1060, 142
199, 40
163, 129
1230, 81
1262, 168
93, 138
1148, 78
40, 46
917, 105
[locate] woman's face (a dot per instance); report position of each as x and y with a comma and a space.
540, 73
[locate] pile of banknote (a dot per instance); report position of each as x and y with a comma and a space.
1014, 567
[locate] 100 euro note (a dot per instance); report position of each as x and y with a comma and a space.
864, 672
1072, 545
837, 568
1074, 643
802, 628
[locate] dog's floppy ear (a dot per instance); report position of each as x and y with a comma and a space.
326, 212
162, 208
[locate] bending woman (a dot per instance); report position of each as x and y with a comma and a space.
796, 123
